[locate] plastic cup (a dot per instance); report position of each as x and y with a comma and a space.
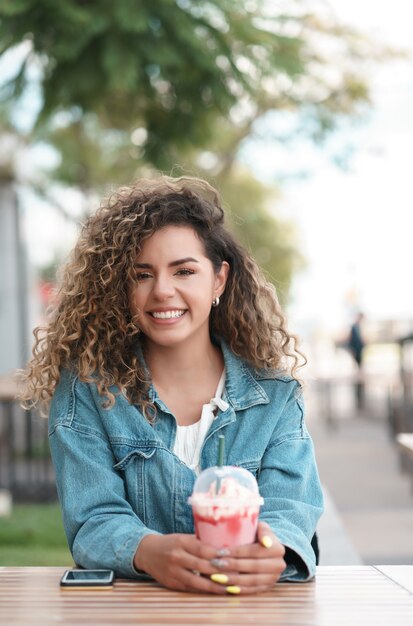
225, 505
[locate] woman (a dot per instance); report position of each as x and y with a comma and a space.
164, 336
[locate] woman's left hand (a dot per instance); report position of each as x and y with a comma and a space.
252, 568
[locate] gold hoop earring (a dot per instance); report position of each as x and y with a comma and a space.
215, 301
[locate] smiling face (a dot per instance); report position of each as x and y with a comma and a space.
174, 288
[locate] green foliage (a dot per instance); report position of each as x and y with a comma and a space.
191, 76
154, 61
252, 217
92, 157
35, 556
33, 535
176, 66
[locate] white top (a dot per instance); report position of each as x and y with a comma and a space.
189, 439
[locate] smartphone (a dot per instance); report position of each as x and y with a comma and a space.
87, 578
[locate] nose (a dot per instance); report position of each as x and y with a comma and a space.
163, 288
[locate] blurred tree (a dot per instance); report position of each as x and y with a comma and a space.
148, 62
169, 68
252, 217
139, 84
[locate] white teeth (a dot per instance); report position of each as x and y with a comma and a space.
165, 315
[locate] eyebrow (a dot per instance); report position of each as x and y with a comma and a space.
148, 266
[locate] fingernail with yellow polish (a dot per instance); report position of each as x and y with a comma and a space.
266, 541
234, 589
219, 578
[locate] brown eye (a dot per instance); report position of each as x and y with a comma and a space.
142, 276
185, 272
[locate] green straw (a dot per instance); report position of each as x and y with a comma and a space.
221, 450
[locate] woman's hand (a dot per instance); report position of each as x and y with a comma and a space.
177, 560
253, 568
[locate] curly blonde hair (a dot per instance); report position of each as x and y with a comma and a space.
91, 329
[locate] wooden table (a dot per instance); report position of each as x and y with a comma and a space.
339, 596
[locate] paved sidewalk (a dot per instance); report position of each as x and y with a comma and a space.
359, 466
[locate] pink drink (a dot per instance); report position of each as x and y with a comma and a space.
227, 532
225, 506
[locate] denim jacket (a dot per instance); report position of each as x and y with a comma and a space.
118, 478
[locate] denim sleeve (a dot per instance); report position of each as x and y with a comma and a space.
102, 529
290, 486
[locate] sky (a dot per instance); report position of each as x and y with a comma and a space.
355, 227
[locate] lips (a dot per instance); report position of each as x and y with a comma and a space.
166, 315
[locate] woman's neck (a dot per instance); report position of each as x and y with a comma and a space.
183, 364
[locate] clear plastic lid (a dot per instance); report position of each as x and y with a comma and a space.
224, 485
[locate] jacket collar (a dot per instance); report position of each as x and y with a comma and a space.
242, 390
241, 387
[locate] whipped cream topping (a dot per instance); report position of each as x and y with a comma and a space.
225, 500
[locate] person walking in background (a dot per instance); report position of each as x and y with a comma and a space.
356, 345
165, 334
